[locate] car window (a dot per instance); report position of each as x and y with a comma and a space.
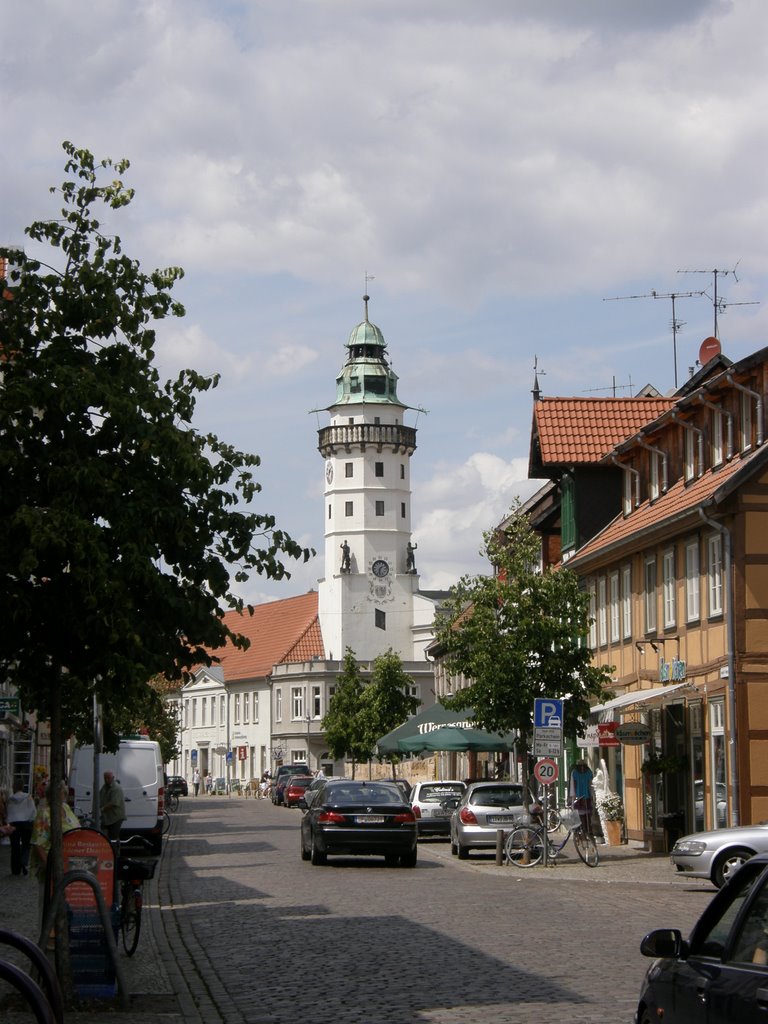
711, 933
362, 794
497, 796
751, 943
434, 793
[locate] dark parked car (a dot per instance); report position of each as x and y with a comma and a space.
280, 777
177, 784
720, 973
294, 789
350, 817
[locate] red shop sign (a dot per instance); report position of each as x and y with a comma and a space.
606, 732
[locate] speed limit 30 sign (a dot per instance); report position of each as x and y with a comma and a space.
546, 771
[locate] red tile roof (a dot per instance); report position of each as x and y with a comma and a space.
279, 631
679, 503
584, 430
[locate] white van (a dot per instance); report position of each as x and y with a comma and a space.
138, 767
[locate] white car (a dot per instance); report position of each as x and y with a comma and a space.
433, 804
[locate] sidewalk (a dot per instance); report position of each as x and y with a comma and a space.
147, 972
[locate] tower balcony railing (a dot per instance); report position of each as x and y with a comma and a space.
347, 436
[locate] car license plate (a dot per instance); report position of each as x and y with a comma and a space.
369, 819
441, 814
500, 819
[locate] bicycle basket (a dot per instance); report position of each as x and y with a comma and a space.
570, 818
137, 869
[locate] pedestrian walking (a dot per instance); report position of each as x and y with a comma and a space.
20, 816
208, 783
196, 781
112, 804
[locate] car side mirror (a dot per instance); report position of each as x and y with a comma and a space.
665, 942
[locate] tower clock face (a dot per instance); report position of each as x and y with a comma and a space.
329, 471
380, 568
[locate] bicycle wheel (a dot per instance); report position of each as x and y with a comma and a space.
553, 819
524, 847
586, 847
166, 821
130, 921
173, 802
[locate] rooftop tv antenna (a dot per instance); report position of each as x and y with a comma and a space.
613, 388
718, 305
675, 324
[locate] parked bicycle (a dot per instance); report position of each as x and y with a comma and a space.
173, 800
132, 874
553, 811
524, 846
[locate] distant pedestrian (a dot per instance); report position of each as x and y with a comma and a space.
208, 784
20, 816
112, 804
196, 781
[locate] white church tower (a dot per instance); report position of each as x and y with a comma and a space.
368, 600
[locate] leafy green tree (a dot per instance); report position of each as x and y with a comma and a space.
344, 725
518, 635
386, 702
124, 528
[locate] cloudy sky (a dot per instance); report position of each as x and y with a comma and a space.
499, 167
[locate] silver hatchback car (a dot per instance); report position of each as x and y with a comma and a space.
485, 808
718, 854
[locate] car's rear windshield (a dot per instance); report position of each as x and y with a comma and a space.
497, 796
363, 793
433, 794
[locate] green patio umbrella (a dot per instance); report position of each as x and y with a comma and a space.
452, 738
421, 724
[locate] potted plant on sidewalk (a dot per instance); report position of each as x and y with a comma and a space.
611, 811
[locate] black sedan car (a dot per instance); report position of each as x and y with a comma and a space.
349, 817
177, 784
720, 973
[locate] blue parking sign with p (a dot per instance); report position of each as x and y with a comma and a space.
548, 712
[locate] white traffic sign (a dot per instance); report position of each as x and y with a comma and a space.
547, 742
546, 771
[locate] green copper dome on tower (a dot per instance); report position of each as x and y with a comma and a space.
366, 375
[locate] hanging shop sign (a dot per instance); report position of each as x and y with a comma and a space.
607, 734
591, 737
672, 671
633, 733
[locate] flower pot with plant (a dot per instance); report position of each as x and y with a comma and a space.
611, 811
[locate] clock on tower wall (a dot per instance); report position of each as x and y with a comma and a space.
329, 471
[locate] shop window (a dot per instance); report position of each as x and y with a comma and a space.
718, 807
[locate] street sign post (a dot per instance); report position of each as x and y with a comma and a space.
546, 771
547, 727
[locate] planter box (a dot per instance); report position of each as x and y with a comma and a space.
612, 832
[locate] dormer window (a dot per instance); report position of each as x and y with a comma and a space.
654, 488
717, 437
746, 422
626, 492
689, 457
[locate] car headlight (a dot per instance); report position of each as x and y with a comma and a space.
690, 847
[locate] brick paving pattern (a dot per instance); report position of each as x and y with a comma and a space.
244, 932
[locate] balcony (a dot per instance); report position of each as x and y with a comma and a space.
359, 435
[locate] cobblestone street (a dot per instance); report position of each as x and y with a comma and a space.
243, 931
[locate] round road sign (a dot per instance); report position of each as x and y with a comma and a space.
546, 771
